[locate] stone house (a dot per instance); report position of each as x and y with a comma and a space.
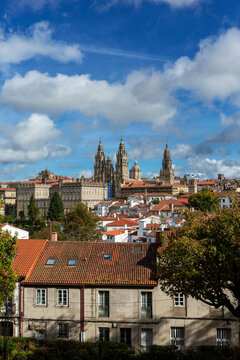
107, 291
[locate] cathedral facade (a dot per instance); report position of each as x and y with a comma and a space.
104, 169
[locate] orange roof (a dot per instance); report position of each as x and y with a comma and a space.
207, 182
113, 232
28, 251
151, 226
122, 222
130, 264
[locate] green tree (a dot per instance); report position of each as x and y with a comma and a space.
204, 200
81, 225
33, 211
202, 259
56, 209
7, 274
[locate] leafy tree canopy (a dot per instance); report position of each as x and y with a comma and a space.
7, 274
202, 259
56, 209
81, 225
204, 200
33, 210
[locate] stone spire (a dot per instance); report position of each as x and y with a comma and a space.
167, 172
121, 163
99, 166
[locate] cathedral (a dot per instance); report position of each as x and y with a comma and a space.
104, 170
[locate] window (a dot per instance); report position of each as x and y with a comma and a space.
125, 336
179, 300
146, 304
107, 257
63, 331
223, 336
41, 298
62, 298
103, 309
40, 334
51, 261
103, 334
72, 262
177, 337
146, 337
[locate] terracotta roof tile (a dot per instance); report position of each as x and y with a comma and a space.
28, 251
122, 222
131, 262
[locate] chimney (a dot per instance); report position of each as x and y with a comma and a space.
54, 236
171, 207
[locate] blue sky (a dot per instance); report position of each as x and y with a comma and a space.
72, 71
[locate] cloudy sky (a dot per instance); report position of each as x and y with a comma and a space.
72, 71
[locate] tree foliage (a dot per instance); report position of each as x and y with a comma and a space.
81, 225
7, 274
56, 209
33, 210
204, 200
202, 259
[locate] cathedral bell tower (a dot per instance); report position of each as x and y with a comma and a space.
121, 164
167, 172
99, 166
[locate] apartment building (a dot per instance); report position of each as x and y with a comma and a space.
108, 291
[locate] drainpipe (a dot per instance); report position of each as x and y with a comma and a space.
20, 310
82, 315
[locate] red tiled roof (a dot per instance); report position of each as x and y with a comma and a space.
128, 266
151, 226
28, 251
207, 182
113, 232
122, 222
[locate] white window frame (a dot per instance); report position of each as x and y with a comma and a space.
41, 300
62, 297
223, 336
179, 300
177, 336
103, 305
146, 304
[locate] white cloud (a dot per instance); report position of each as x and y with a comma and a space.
147, 147
181, 151
144, 97
35, 4
31, 140
38, 41
206, 168
86, 173
214, 73
11, 172
173, 3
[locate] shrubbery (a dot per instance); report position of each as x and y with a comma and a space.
31, 349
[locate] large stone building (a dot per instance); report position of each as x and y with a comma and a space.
104, 169
108, 291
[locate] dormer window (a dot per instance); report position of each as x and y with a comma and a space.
72, 262
51, 261
107, 257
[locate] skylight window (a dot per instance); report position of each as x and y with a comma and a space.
107, 257
72, 262
51, 261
